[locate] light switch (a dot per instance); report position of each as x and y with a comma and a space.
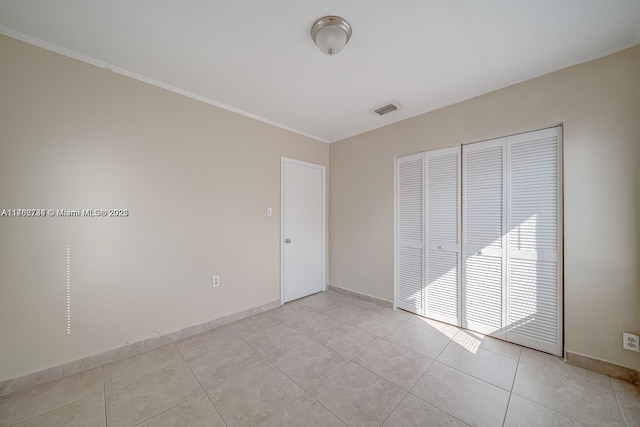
269, 212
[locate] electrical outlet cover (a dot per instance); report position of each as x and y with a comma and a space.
630, 342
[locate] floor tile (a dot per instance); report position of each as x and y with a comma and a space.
205, 341
356, 360
289, 313
216, 366
253, 324
360, 303
275, 340
133, 402
331, 295
304, 319
253, 396
629, 397
30, 380
365, 304
419, 339
374, 323
525, 413
88, 412
556, 365
304, 411
591, 403
434, 326
356, 396
413, 412
341, 311
195, 412
474, 340
43, 398
133, 367
397, 314
319, 300
468, 399
309, 363
486, 365
346, 340
399, 365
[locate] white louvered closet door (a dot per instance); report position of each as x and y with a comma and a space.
484, 204
410, 233
442, 218
534, 294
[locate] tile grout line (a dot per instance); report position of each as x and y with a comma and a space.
320, 380
390, 382
513, 383
283, 408
57, 407
104, 397
569, 369
554, 410
321, 404
264, 359
425, 373
312, 309
395, 407
434, 406
287, 404
475, 377
378, 375
314, 385
199, 383
340, 322
182, 401
615, 393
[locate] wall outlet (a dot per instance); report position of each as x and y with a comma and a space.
215, 282
630, 342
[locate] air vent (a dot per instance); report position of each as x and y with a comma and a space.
385, 109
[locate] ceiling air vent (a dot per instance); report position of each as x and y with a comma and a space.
381, 111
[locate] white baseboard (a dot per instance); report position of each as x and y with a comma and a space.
361, 296
85, 363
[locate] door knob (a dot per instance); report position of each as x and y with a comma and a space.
287, 241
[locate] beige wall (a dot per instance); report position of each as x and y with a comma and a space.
599, 104
196, 179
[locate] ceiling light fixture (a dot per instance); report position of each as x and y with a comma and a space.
331, 34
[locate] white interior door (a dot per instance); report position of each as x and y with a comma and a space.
410, 233
302, 229
484, 205
534, 291
504, 276
442, 218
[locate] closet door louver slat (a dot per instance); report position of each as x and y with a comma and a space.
534, 310
483, 231
442, 291
410, 233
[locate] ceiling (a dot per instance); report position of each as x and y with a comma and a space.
257, 57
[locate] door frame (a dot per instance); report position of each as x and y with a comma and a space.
323, 170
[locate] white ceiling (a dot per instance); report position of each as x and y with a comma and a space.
257, 57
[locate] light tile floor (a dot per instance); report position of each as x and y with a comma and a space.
331, 360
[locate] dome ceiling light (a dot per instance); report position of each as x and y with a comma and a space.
331, 34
